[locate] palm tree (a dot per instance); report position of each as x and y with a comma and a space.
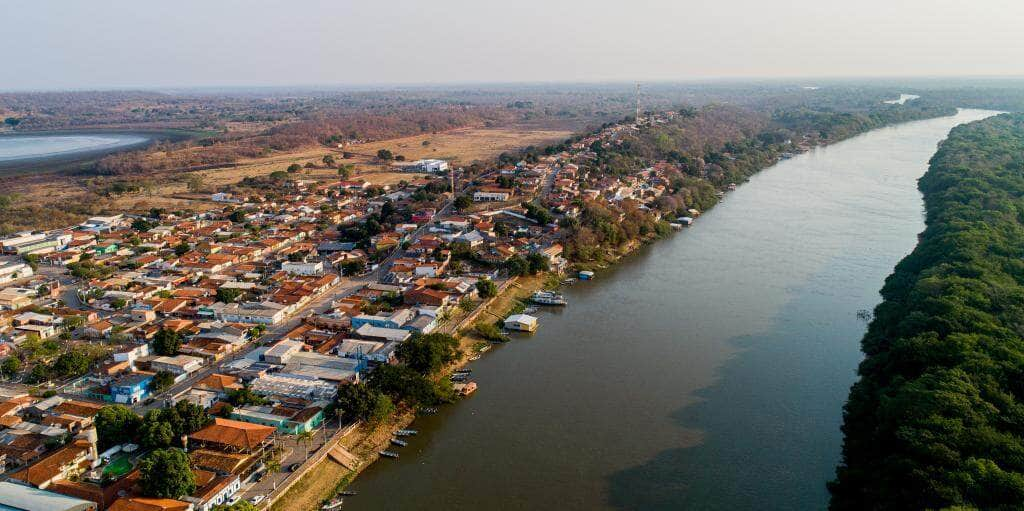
274, 466
305, 437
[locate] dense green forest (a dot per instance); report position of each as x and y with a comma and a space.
937, 420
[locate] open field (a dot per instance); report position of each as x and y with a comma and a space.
53, 190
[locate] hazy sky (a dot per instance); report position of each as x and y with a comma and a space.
51, 44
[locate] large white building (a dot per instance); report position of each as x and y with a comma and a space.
429, 165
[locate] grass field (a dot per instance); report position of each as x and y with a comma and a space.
119, 466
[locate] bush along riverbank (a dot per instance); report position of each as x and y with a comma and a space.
936, 420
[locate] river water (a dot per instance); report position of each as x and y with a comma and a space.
25, 147
708, 371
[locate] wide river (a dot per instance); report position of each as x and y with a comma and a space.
26, 147
708, 371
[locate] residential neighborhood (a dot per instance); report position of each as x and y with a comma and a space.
257, 313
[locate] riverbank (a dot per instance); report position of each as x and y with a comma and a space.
327, 478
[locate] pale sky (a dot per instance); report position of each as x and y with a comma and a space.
81, 44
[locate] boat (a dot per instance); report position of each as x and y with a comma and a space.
465, 389
459, 377
348, 493
389, 454
406, 432
548, 298
332, 505
569, 281
586, 275
428, 411
484, 348
400, 443
462, 371
474, 358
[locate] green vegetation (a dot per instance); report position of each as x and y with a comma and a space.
364, 403
405, 384
166, 474
429, 353
245, 396
167, 342
228, 295
486, 288
115, 424
935, 419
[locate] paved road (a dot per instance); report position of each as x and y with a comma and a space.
343, 288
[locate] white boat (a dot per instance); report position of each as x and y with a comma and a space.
332, 505
548, 298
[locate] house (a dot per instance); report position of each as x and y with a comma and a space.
131, 388
315, 268
179, 365
232, 436
149, 504
383, 334
521, 322
396, 319
26, 498
12, 270
492, 194
14, 298
423, 295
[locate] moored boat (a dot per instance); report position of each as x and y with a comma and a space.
548, 298
398, 442
406, 432
389, 454
332, 505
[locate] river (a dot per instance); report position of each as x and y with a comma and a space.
30, 147
707, 371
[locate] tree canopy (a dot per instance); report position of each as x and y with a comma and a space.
166, 474
935, 419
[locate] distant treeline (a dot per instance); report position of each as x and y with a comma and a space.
937, 420
712, 146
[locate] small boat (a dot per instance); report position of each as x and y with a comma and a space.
569, 281
531, 310
406, 432
389, 454
586, 275
474, 358
462, 371
459, 377
429, 411
548, 298
400, 443
332, 505
465, 389
484, 348
348, 493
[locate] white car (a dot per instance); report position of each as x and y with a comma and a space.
257, 499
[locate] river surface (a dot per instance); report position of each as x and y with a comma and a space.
28, 147
708, 371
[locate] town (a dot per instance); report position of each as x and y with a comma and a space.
188, 360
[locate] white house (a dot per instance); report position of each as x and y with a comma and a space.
303, 268
491, 194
